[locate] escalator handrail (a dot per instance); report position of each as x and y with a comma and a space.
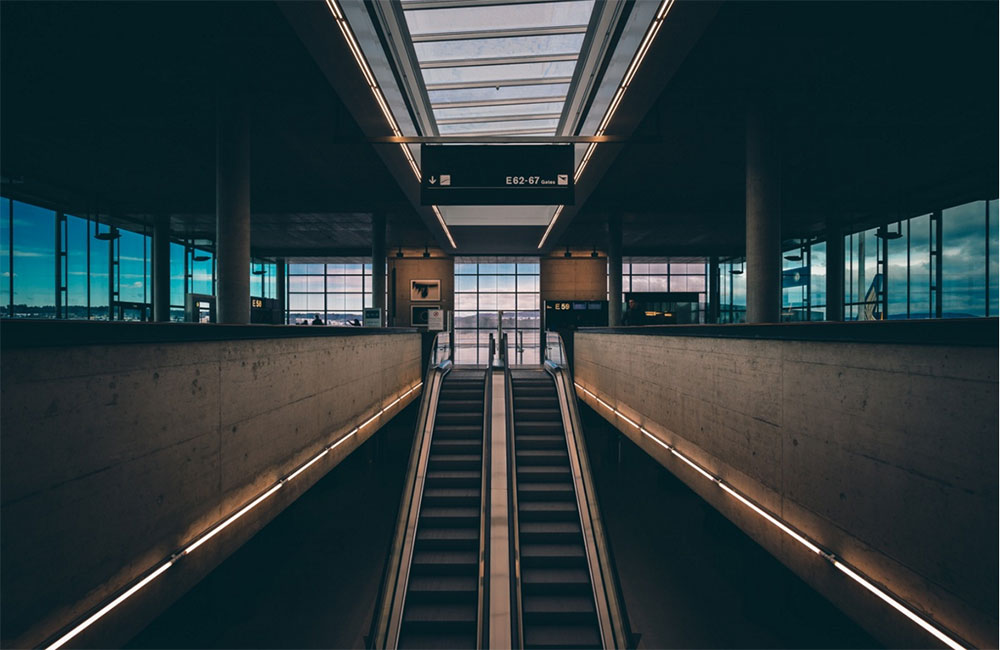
618, 633
386, 622
517, 625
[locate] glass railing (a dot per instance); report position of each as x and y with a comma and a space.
555, 351
441, 351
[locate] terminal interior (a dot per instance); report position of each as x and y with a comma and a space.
499, 324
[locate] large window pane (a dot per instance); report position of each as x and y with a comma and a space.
5, 276
76, 267
132, 254
963, 259
34, 261
920, 267
993, 261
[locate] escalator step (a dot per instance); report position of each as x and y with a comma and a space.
540, 441
459, 417
451, 517
561, 636
450, 640
453, 478
541, 456
448, 538
467, 496
434, 615
457, 431
454, 461
537, 427
443, 587
457, 446
538, 414
550, 532
560, 608
547, 510
466, 405
555, 580
544, 491
546, 556
445, 562
536, 473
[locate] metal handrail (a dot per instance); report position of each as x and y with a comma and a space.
517, 625
386, 622
616, 628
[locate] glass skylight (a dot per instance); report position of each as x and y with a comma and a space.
497, 69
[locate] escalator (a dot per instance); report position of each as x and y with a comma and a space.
557, 596
442, 600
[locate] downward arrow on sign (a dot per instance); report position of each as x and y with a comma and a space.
432, 180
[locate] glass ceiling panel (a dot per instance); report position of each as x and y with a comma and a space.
554, 69
496, 47
514, 125
505, 93
492, 17
496, 111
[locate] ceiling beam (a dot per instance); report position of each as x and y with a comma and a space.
498, 60
498, 33
500, 118
498, 83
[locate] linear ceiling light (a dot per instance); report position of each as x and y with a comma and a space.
359, 58
640, 54
882, 594
214, 530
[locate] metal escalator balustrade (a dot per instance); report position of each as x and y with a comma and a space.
556, 592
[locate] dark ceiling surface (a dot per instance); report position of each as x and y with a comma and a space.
109, 107
883, 109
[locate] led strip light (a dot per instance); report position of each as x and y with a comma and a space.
366, 70
217, 528
852, 573
640, 54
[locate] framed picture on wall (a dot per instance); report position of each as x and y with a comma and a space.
421, 290
419, 314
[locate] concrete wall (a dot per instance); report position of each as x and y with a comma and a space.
114, 456
419, 268
885, 454
574, 278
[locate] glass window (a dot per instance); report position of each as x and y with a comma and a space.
963, 254
5, 275
994, 229
132, 263
34, 261
919, 230
76, 267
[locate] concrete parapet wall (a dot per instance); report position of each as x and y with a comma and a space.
115, 456
885, 454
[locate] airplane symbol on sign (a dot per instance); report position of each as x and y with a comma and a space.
432, 180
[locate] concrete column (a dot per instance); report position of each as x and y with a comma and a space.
615, 270
713, 290
834, 272
378, 262
279, 281
161, 269
232, 209
763, 208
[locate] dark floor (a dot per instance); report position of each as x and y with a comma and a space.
691, 579
309, 578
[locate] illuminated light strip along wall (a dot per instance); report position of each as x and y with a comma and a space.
852, 573
366, 70
640, 54
215, 529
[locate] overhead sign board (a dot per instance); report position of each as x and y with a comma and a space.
516, 174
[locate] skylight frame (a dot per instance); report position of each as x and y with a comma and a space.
473, 27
